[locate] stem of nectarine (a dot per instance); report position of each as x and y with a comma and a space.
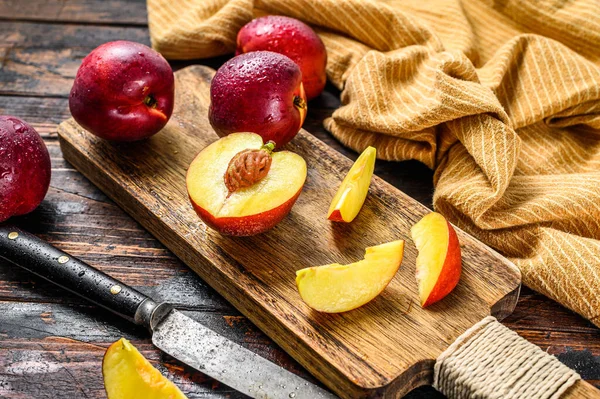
269, 146
299, 102
150, 101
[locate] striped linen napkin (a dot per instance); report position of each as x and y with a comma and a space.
500, 97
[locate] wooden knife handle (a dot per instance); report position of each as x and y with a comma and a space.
41, 258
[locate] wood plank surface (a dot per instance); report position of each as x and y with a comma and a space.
109, 12
42, 59
78, 217
386, 347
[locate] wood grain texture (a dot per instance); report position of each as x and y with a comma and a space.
42, 59
386, 347
582, 390
113, 12
77, 217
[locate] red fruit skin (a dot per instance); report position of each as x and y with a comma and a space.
292, 38
336, 216
255, 93
450, 274
111, 85
247, 225
24, 168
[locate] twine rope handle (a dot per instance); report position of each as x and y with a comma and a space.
490, 361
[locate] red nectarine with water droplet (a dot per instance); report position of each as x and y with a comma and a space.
259, 92
24, 168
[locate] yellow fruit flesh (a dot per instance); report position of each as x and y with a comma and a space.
351, 195
431, 238
128, 375
338, 288
207, 189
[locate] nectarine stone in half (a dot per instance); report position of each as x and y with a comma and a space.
338, 288
249, 210
128, 375
439, 259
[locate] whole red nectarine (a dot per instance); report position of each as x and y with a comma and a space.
259, 92
24, 168
292, 38
123, 91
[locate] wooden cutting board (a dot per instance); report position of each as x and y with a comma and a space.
385, 348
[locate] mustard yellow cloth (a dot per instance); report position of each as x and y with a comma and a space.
500, 97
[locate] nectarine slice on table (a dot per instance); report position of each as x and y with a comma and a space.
338, 288
351, 195
439, 259
251, 208
128, 375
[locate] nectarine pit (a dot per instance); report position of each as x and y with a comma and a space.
248, 167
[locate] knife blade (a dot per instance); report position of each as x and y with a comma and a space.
173, 332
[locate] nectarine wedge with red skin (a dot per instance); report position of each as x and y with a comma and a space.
439, 262
128, 375
352, 193
292, 38
339, 288
248, 210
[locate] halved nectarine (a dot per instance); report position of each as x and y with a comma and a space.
237, 199
439, 259
338, 288
351, 195
128, 375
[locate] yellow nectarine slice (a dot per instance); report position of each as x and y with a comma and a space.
439, 259
249, 210
128, 375
338, 288
351, 195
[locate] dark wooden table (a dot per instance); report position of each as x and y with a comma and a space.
51, 342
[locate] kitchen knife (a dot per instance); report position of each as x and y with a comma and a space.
173, 332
